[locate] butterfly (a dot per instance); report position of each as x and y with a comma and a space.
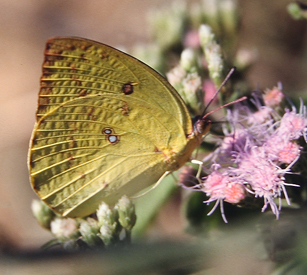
106, 125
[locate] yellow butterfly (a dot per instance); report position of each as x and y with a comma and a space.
107, 125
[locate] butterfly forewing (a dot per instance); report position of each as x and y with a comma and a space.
76, 67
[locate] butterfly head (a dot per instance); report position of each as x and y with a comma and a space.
201, 125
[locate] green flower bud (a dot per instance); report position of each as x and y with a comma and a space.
215, 62
106, 234
42, 213
206, 36
126, 212
228, 16
106, 215
296, 12
89, 230
213, 54
194, 94
188, 60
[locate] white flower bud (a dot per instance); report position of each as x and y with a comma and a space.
42, 213
104, 214
188, 59
126, 212
106, 234
65, 228
206, 35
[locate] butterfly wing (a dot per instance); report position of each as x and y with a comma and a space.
97, 148
107, 125
76, 67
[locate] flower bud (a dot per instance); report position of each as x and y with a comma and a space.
105, 215
64, 228
296, 11
215, 62
106, 234
126, 212
213, 54
89, 230
194, 94
188, 60
228, 16
206, 35
42, 213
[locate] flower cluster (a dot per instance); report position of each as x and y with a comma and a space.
109, 227
186, 80
186, 76
212, 52
259, 148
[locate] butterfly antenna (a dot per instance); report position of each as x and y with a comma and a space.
219, 89
204, 115
225, 105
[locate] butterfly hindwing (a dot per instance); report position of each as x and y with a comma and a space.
97, 148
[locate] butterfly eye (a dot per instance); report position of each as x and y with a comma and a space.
127, 88
202, 126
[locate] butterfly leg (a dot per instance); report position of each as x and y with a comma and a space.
200, 165
154, 186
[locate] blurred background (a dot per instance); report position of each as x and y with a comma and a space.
265, 27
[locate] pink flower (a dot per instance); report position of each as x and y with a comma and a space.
289, 153
263, 177
293, 125
260, 116
219, 186
280, 149
234, 141
259, 148
234, 192
215, 184
273, 97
